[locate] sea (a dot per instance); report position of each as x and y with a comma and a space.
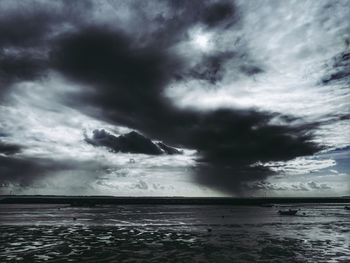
174, 233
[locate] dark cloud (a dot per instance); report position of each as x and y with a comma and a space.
218, 13
112, 61
20, 34
6, 148
19, 67
33, 24
23, 29
230, 177
26, 34
131, 142
227, 135
230, 142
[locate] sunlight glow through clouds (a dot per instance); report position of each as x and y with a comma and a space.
202, 40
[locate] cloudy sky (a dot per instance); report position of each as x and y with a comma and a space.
256, 95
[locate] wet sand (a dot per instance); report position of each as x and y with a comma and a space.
178, 233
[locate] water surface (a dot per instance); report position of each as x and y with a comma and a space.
173, 233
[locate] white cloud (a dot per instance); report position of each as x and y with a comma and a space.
300, 165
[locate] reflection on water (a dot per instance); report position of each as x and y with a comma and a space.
48, 233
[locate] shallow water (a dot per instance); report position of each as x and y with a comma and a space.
173, 233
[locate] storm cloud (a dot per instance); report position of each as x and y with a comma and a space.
128, 83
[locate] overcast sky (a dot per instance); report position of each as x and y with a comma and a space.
256, 94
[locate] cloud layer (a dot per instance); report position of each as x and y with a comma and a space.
231, 80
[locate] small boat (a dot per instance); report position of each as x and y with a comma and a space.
347, 207
289, 212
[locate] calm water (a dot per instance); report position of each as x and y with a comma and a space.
159, 233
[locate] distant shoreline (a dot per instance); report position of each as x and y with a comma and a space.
112, 200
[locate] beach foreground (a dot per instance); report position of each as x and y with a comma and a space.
177, 233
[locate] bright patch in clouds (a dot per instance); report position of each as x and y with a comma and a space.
202, 40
